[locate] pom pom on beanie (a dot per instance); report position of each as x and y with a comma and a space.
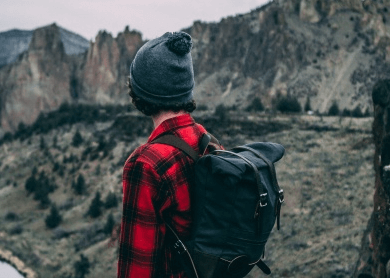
179, 43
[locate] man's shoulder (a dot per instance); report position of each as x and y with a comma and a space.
158, 156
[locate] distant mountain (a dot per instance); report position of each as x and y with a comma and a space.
14, 42
73, 43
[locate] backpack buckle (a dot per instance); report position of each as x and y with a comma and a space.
281, 196
263, 200
261, 203
180, 247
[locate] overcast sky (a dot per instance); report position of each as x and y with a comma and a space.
87, 17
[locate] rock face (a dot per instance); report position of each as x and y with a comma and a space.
375, 253
103, 72
38, 81
329, 51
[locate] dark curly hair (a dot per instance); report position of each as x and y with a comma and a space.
150, 109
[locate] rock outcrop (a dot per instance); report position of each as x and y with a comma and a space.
374, 259
37, 81
106, 66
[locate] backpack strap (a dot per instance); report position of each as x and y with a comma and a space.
179, 143
260, 264
185, 257
174, 141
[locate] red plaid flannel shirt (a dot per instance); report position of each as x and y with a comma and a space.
157, 180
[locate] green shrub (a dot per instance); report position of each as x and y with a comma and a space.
42, 189
16, 230
221, 112
81, 267
288, 104
346, 113
11, 216
255, 106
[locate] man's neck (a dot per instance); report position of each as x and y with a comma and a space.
165, 115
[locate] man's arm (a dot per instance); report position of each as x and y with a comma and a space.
141, 237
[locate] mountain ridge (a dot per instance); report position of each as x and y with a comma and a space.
331, 51
74, 43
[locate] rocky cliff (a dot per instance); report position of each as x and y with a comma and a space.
374, 259
37, 81
326, 50
329, 51
103, 73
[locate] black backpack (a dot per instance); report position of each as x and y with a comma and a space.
236, 202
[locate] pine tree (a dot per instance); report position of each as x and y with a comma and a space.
334, 109
55, 140
307, 105
221, 112
31, 184
42, 143
77, 139
357, 112
79, 186
54, 218
81, 267
95, 210
111, 200
109, 224
42, 189
255, 106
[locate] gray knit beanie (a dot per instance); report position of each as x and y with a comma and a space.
161, 72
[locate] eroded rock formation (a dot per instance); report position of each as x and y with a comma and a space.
374, 258
103, 74
37, 81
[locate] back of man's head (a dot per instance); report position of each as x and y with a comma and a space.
162, 75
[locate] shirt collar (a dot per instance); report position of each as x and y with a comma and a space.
170, 125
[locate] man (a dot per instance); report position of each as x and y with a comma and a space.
157, 178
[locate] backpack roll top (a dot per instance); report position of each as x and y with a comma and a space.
235, 204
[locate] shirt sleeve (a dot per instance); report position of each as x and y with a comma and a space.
141, 233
